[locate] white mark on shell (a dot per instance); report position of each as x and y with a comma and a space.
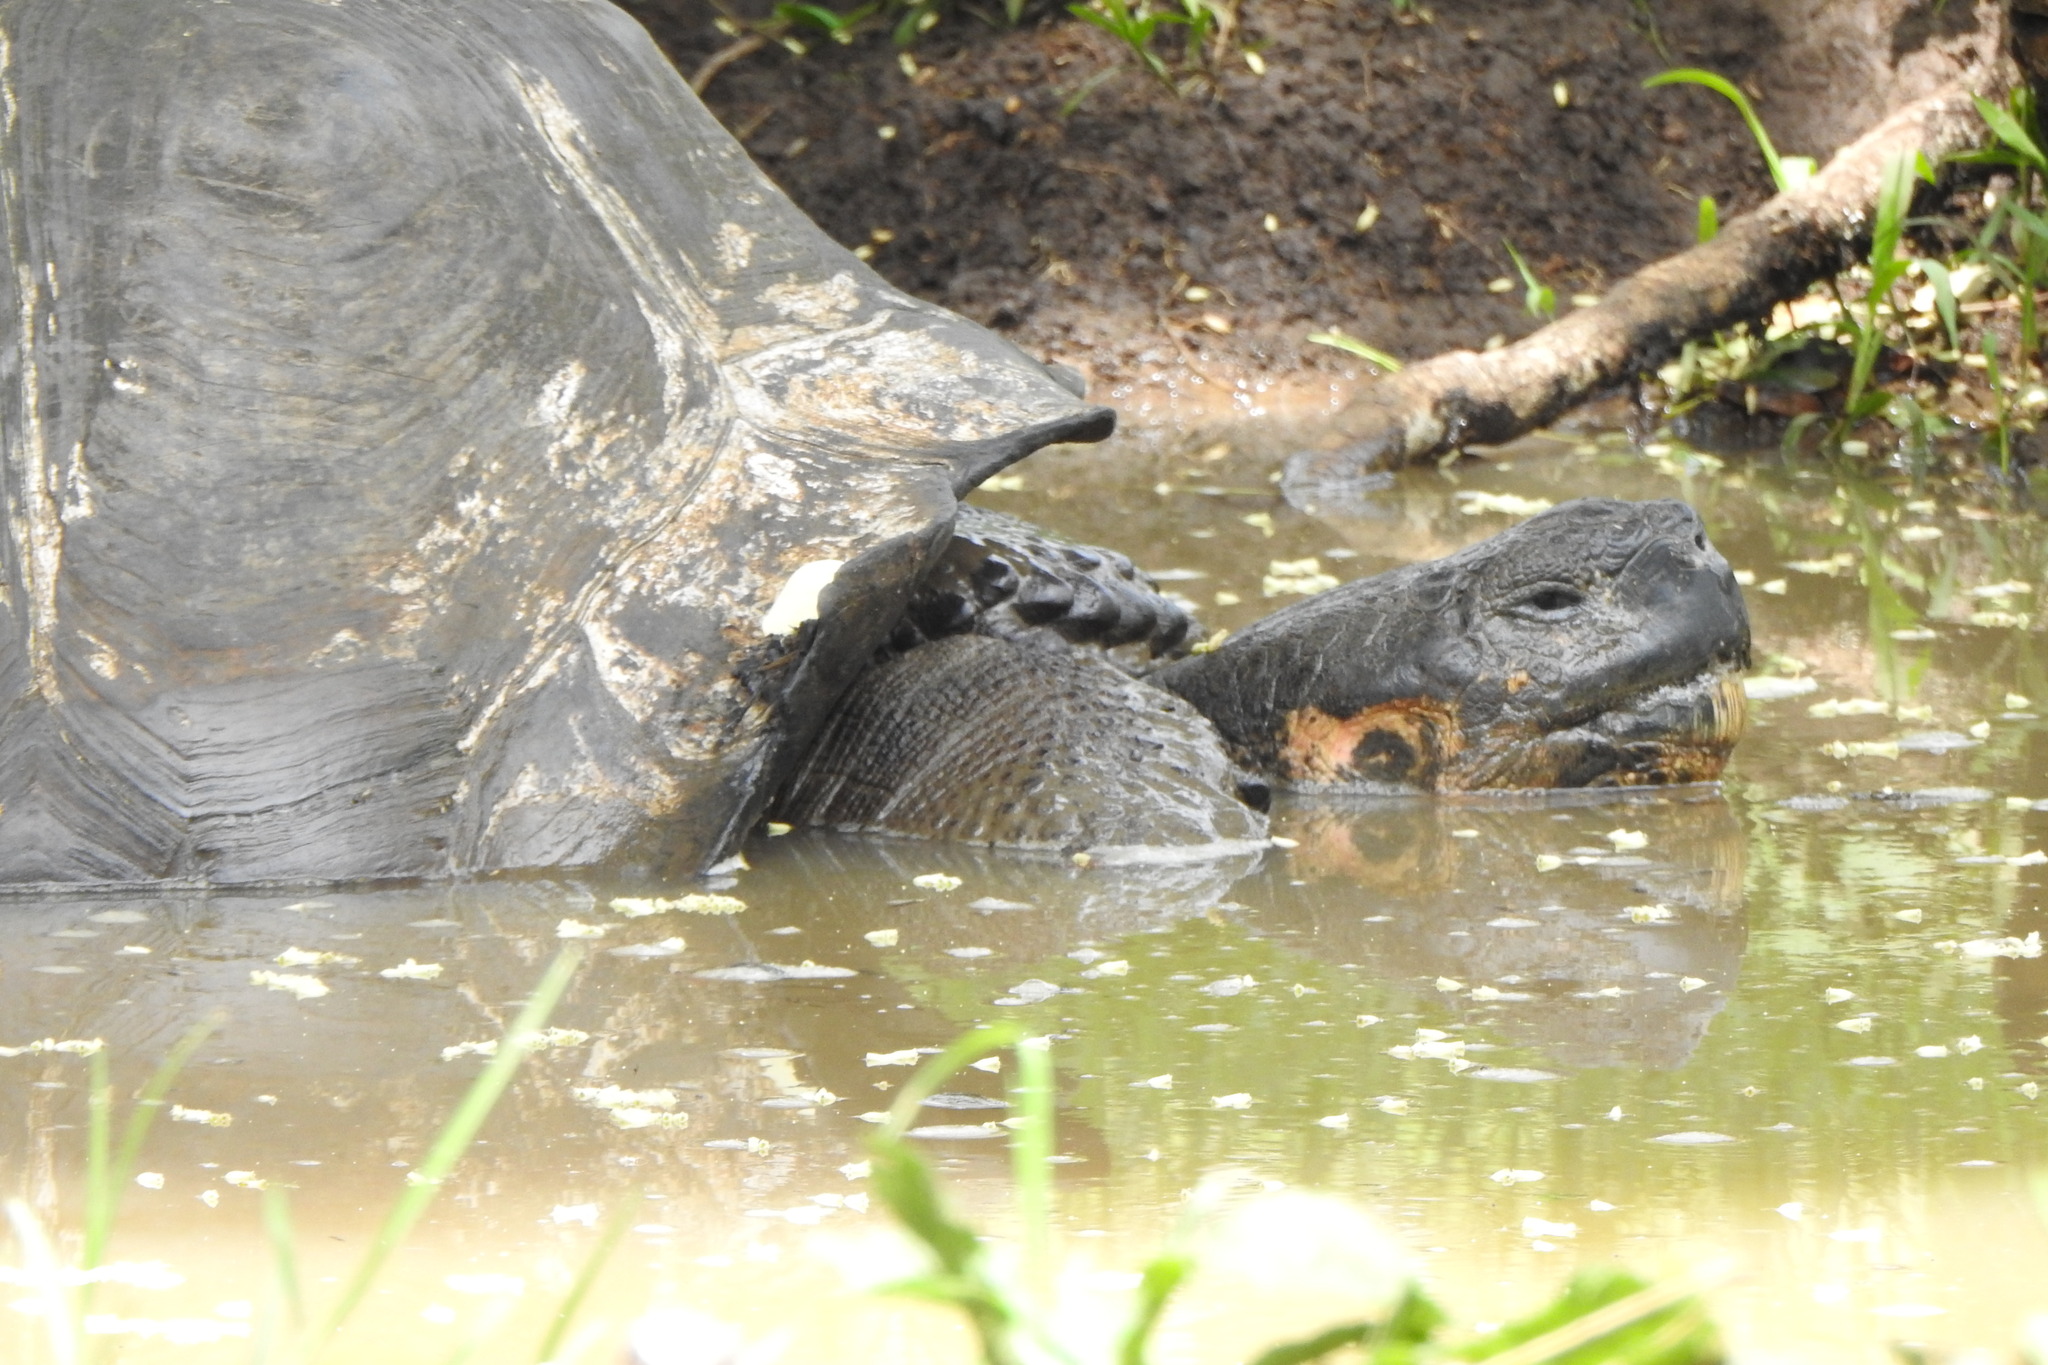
78, 491
735, 247
776, 476
558, 396
798, 600
827, 304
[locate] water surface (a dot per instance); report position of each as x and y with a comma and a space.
1795, 1021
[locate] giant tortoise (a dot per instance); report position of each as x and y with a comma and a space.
432, 447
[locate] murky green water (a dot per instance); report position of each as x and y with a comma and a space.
1796, 1023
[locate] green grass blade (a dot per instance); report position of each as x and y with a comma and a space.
593, 1264
1031, 1143
99, 1164
1720, 85
424, 1182
1538, 298
1709, 224
926, 1080
2007, 129
284, 1255
1352, 345
141, 1115
1164, 1275
1944, 299
1323, 1343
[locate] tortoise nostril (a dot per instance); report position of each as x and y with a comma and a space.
1699, 540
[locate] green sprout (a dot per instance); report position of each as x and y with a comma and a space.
1787, 172
1538, 298
1337, 339
1134, 28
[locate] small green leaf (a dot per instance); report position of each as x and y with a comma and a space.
2007, 130
1722, 86
1709, 220
1354, 346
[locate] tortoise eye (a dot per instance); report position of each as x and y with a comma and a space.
1550, 601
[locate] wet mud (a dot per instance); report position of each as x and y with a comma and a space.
1078, 224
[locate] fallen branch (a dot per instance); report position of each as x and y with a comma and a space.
1757, 261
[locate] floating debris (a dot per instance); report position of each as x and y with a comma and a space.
1029, 992
1514, 1075
1164, 1081
1240, 1100
1862, 1023
1835, 995
1692, 1139
958, 1132
1934, 742
311, 957
936, 881
1473, 502
988, 905
2030, 946
1292, 577
77, 1047
207, 1117
571, 928
1848, 706
1626, 839
1229, 985
1649, 914
765, 972
695, 903
1862, 748
410, 970
1510, 1176
882, 938
908, 1056
952, 1100
667, 947
1689, 984
300, 987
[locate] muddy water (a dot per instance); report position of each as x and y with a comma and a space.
1794, 1024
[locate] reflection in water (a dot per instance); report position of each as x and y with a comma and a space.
1417, 998
1626, 968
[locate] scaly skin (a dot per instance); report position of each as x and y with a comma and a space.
1595, 645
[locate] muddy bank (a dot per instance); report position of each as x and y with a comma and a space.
1039, 181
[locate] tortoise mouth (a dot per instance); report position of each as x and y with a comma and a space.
1679, 732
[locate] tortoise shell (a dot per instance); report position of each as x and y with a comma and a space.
416, 419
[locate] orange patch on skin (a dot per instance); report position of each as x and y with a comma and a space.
1406, 741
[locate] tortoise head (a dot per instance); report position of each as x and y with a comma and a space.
1598, 644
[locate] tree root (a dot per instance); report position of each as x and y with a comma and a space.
1757, 261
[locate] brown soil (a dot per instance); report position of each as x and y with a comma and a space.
1079, 233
